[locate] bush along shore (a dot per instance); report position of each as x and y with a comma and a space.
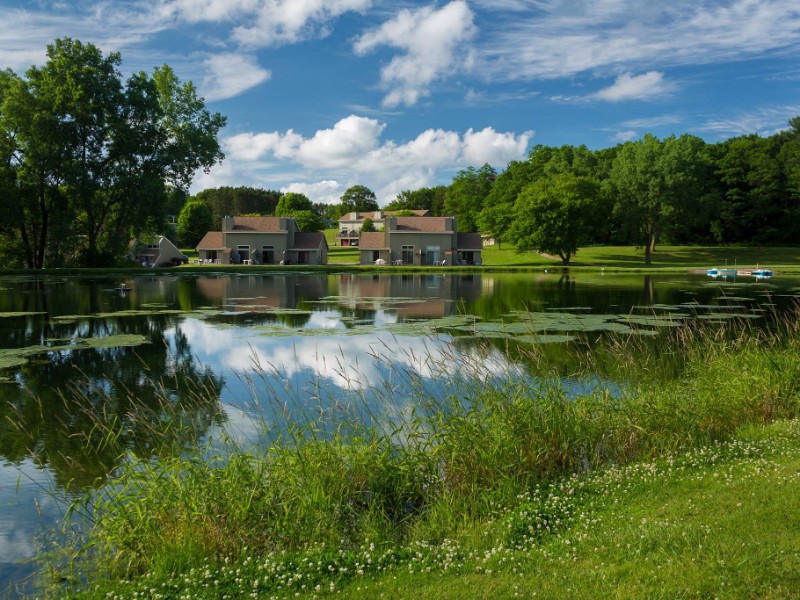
680, 480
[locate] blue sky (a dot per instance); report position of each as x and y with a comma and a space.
324, 94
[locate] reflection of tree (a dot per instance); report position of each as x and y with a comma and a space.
79, 411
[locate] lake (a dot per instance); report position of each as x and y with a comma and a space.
267, 347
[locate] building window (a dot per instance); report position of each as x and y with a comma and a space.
407, 254
244, 253
268, 255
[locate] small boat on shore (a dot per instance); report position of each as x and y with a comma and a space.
715, 272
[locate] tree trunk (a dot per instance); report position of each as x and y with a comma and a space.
648, 250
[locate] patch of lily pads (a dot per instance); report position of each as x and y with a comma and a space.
16, 357
118, 314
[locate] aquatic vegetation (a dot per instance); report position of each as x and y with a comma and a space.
14, 357
331, 498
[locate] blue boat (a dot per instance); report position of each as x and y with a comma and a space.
715, 272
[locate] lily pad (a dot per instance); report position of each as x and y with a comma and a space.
16, 357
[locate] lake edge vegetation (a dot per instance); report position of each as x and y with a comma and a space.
453, 487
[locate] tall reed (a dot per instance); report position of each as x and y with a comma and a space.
339, 472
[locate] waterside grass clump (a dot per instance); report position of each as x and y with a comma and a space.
468, 483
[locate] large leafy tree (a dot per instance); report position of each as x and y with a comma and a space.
556, 215
302, 209
194, 222
291, 203
466, 195
656, 183
755, 191
497, 214
358, 198
101, 152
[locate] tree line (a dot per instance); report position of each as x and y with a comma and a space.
89, 162
677, 190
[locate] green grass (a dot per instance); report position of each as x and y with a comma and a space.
665, 257
722, 521
490, 490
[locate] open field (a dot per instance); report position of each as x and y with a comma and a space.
665, 257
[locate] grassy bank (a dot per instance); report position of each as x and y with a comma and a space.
490, 482
505, 257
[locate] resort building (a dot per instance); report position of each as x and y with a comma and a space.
351, 223
263, 241
420, 241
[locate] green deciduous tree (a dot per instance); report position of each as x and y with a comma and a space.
308, 220
657, 182
466, 195
358, 198
368, 226
194, 222
100, 152
291, 203
556, 215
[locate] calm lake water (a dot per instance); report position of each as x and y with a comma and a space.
317, 340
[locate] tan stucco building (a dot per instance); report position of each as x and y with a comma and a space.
263, 241
421, 241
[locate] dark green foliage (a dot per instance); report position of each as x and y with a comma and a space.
291, 203
231, 201
307, 220
358, 198
556, 215
194, 222
466, 195
89, 158
431, 199
369, 226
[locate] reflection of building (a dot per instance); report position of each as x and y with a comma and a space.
351, 223
158, 252
421, 241
410, 296
263, 241
243, 293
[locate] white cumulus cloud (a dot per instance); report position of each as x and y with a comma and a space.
635, 87
353, 151
230, 74
432, 42
327, 191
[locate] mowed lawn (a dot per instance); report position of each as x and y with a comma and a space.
665, 257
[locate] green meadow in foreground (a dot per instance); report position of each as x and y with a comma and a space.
684, 484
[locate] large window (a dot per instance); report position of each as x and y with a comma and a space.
268, 255
244, 253
407, 254
433, 254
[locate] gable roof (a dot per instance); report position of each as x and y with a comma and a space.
211, 241
262, 224
372, 240
424, 212
469, 241
310, 240
423, 224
